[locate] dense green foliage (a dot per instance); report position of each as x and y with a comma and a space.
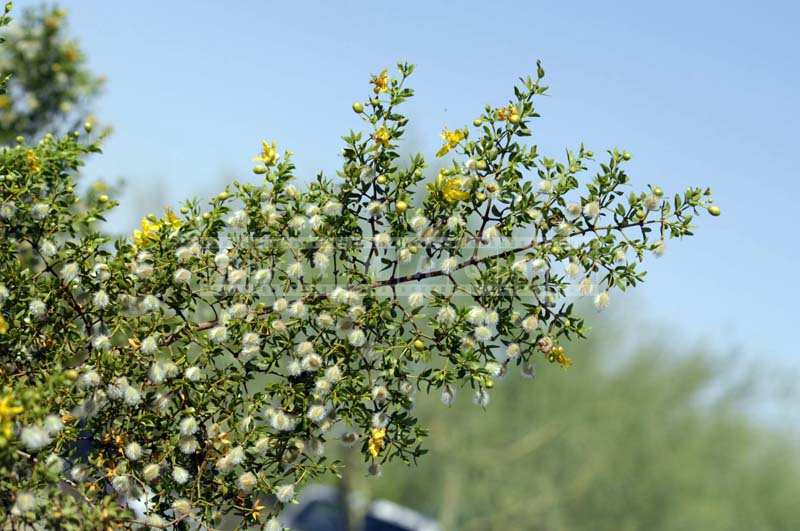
660, 443
201, 365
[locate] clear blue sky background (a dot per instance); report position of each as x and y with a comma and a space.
701, 92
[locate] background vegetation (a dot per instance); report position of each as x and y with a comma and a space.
659, 443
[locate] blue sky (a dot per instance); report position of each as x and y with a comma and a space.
699, 92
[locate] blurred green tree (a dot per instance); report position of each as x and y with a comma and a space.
654, 444
51, 87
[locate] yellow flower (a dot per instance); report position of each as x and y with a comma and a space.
71, 53
449, 187
376, 441
557, 356
8, 412
382, 136
172, 220
504, 113
151, 227
269, 153
255, 512
34, 164
380, 82
451, 140
3, 325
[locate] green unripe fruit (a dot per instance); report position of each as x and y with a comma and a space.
590, 154
381, 179
103, 198
401, 207
714, 210
358, 107
222, 196
657, 191
88, 126
419, 345
260, 169
477, 122
206, 216
626, 155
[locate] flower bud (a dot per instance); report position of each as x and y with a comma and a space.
714, 210
358, 107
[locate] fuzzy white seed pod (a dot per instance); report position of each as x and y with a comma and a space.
182, 276
188, 426
133, 451
284, 493
151, 471
180, 475
34, 437
601, 300
101, 299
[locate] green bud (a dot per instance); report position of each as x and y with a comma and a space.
358, 107
626, 155
477, 122
103, 198
419, 345
184, 210
381, 179
714, 210
657, 191
260, 169
88, 126
481, 164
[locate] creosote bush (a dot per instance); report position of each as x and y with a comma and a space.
200, 367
